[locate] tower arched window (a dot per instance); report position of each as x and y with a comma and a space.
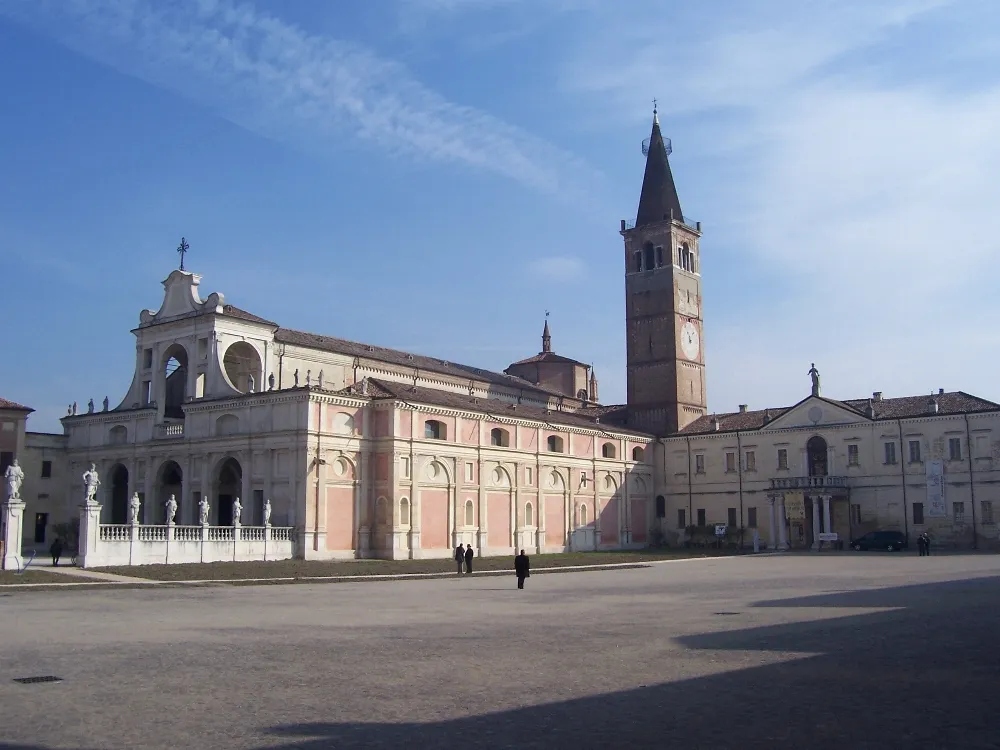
637, 261
647, 252
659, 257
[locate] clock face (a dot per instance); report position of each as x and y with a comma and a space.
690, 342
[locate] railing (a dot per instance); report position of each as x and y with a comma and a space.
281, 533
115, 532
122, 532
686, 221
809, 483
253, 533
187, 533
220, 533
170, 430
153, 533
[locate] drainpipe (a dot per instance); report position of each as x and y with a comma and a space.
902, 473
972, 484
739, 468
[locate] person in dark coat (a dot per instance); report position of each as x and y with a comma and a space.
459, 558
56, 549
927, 543
522, 569
920, 545
468, 559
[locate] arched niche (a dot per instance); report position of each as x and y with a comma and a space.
242, 366
174, 368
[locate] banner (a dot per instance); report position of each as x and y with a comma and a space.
935, 490
795, 506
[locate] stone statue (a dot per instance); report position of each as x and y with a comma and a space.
203, 508
69, 410
91, 481
133, 508
171, 506
90, 406
250, 384
320, 381
814, 374
309, 377
14, 476
296, 376
105, 403
74, 408
267, 512
270, 382
237, 512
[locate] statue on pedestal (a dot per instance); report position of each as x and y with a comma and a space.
133, 508
320, 379
203, 508
90, 406
74, 408
270, 382
171, 506
15, 477
814, 374
296, 376
105, 403
91, 481
237, 512
267, 512
309, 377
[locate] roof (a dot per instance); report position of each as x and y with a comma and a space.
232, 311
550, 358
658, 200
13, 406
904, 407
405, 359
376, 389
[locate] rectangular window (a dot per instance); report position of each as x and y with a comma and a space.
701, 516
890, 453
914, 451
583, 479
955, 449
404, 466
751, 460
469, 471
41, 521
199, 385
147, 392
782, 459
147, 358
699, 463
982, 446
852, 455
46, 469
528, 475
752, 517
258, 507
681, 518
856, 514
6, 459
987, 508
918, 514
958, 511
731, 517
730, 461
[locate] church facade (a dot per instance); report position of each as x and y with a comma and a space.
373, 452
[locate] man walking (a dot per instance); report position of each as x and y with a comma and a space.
920, 545
56, 549
927, 543
522, 569
468, 559
459, 558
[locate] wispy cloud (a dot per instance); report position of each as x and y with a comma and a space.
557, 268
275, 79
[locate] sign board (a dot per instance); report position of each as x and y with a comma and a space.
720, 529
935, 507
832, 536
795, 506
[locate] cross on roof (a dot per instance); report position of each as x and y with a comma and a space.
182, 249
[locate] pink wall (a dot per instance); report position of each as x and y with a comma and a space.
555, 526
434, 519
528, 438
583, 445
405, 423
340, 518
638, 519
381, 466
470, 431
609, 522
381, 423
498, 519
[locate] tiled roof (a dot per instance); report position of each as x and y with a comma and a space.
904, 407
381, 389
233, 311
405, 359
13, 405
549, 357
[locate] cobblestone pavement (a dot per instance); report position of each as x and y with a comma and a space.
855, 650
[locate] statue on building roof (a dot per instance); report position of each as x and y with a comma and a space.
74, 408
814, 374
320, 381
296, 376
14, 476
309, 377
270, 382
105, 403
90, 406
251, 385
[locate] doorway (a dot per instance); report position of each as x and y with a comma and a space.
816, 457
41, 521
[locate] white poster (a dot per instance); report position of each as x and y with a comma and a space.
935, 490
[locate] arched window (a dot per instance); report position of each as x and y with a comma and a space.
435, 430
638, 454
608, 450
529, 515
404, 512
637, 261
647, 259
500, 437
470, 513
659, 257
175, 365
661, 506
685, 257
555, 444
382, 512
583, 515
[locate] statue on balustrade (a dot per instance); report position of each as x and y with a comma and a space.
237, 512
814, 374
91, 480
267, 512
14, 476
203, 508
133, 508
171, 506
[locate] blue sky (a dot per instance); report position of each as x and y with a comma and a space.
433, 175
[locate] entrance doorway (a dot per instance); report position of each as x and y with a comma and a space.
41, 521
229, 487
816, 457
169, 484
119, 494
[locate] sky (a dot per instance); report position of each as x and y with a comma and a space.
435, 175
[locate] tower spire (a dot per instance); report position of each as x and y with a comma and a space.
546, 336
658, 200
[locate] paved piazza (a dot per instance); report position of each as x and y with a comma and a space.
855, 650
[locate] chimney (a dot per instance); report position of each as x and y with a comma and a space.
714, 424
743, 408
877, 396
932, 405
767, 416
940, 391
870, 410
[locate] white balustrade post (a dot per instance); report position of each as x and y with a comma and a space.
88, 554
13, 524
772, 539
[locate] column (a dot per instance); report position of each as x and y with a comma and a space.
772, 539
782, 524
827, 522
13, 523
364, 499
318, 499
815, 502
483, 537
246, 464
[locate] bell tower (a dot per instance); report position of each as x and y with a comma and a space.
663, 306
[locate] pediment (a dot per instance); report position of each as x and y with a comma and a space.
816, 411
181, 298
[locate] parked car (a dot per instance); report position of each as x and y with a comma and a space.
891, 541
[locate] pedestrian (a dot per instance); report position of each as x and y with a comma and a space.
756, 541
522, 569
921, 547
459, 558
468, 559
927, 543
56, 549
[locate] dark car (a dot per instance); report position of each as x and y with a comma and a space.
892, 541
